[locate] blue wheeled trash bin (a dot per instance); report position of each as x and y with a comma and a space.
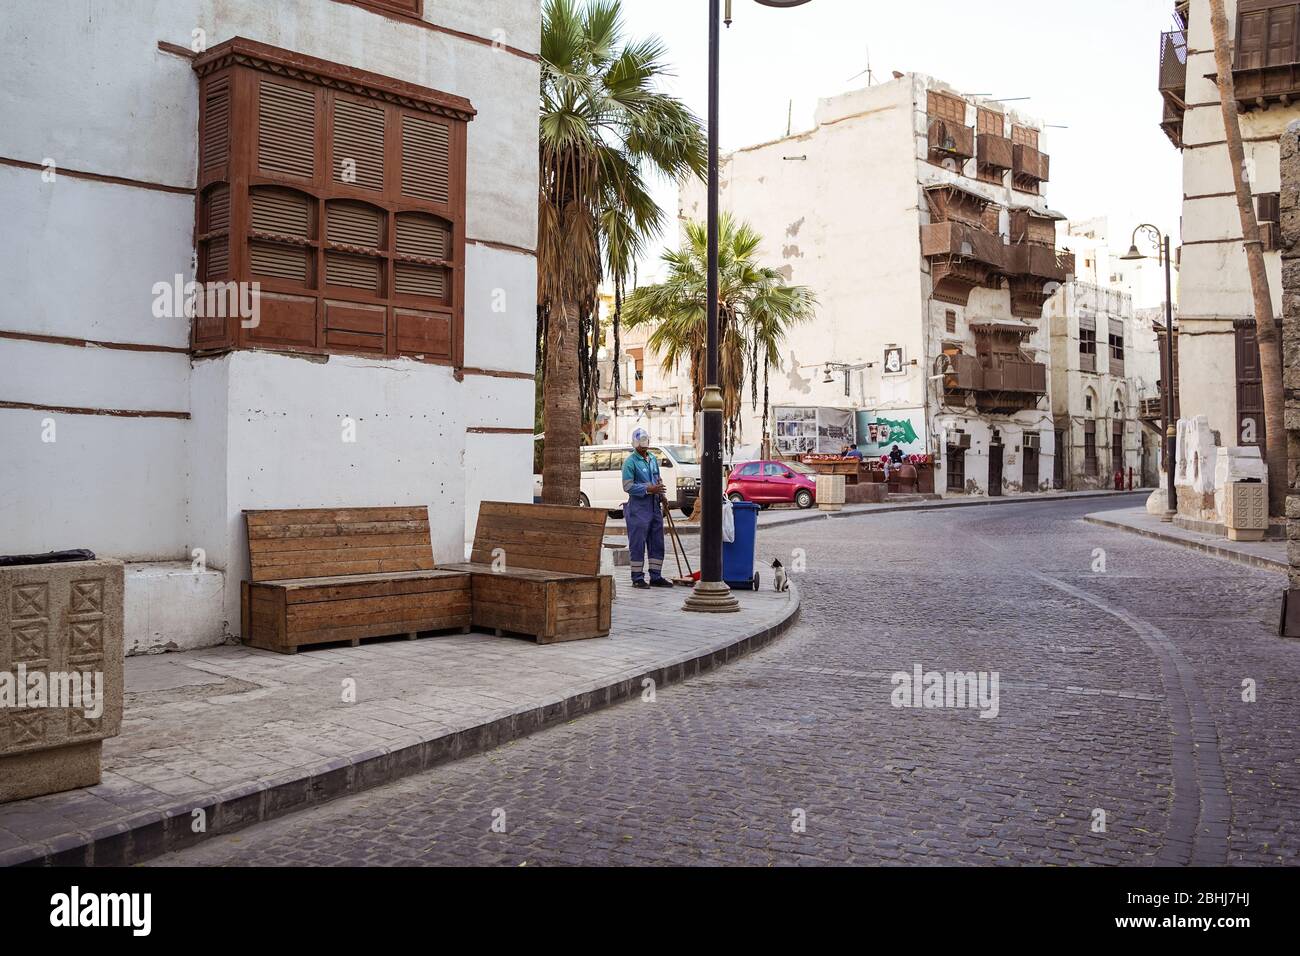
738, 556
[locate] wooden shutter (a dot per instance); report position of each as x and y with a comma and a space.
358, 144
286, 129
413, 279
419, 234
1280, 36
216, 223
991, 122
354, 224
1251, 40
1024, 136
215, 139
426, 159
281, 222
425, 237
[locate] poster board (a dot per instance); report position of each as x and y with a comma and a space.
808, 430
878, 432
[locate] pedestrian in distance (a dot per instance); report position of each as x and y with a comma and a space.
644, 513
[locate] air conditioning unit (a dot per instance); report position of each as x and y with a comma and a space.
959, 439
1032, 440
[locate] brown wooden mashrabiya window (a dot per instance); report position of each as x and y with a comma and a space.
342, 193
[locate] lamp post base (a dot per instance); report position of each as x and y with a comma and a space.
711, 597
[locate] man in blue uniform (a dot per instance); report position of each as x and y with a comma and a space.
644, 512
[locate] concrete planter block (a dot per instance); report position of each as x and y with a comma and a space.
56, 621
1245, 510
830, 492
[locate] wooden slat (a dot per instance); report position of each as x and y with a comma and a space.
383, 629
380, 587
311, 617
342, 580
272, 559
522, 574
349, 542
535, 512
260, 518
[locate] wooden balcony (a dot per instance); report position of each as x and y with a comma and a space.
1029, 164
1173, 83
1266, 68
1040, 261
959, 240
994, 152
948, 139
1008, 385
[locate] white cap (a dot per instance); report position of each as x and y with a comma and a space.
640, 438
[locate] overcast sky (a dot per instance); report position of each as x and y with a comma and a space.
1089, 65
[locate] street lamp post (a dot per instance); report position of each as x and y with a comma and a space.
1171, 434
711, 593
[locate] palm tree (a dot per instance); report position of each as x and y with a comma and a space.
755, 310
603, 126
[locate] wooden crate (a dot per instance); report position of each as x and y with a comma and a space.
548, 607
345, 574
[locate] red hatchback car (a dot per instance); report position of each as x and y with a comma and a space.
773, 482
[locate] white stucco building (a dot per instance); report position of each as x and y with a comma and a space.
917, 216
1105, 363
1220, 390
372, 165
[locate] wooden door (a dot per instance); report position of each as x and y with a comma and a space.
1250, 388
1029, 475
1058, 463
995, 470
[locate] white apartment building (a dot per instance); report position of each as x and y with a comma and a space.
372, 166
917, 216
1105, 379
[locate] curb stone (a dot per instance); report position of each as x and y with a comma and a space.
1214, 550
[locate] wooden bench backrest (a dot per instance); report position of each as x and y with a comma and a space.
324, 542
540, 537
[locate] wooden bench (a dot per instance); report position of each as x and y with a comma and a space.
536, 571
344, 574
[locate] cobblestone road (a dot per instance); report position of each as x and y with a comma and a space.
1121, 693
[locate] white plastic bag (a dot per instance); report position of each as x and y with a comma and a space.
728, 521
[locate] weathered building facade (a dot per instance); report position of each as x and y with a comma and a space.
361, 177
1220, 386
917, 217
1105, 366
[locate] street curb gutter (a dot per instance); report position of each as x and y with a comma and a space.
1214, 550
151, 834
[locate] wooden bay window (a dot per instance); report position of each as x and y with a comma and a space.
342, 194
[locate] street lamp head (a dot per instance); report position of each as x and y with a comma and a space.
782, 3
1132, 254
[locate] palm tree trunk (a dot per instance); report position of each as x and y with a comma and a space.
561, 475
1270, 359
765, 450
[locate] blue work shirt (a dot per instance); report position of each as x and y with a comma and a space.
639, 472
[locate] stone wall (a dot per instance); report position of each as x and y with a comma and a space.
1290, 203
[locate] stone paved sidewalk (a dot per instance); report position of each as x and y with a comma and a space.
246, 735
1268, 555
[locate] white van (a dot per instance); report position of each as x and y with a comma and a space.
602, 475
